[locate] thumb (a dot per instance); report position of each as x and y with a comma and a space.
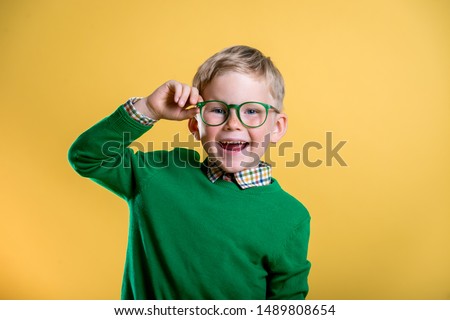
189, 113
192, 112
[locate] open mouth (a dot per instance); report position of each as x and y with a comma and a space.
233, 146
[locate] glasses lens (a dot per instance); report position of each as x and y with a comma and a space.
253, 114
214, 113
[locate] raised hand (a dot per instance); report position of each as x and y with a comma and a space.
170, 101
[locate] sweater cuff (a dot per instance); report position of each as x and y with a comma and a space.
120, 121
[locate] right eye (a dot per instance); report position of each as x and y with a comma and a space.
216, 108
218, 111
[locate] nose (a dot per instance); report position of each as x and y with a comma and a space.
233, 122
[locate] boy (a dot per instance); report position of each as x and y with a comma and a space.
220, 229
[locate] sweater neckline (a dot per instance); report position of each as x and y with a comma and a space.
274, 186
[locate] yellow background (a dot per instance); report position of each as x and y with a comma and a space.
375, 73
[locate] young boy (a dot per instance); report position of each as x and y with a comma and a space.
220, 229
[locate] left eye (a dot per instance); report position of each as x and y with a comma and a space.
251, 111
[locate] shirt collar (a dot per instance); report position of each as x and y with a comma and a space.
252, 177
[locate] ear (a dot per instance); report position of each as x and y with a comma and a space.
193, 127
279, 128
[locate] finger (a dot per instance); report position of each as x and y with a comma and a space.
193, 98
176, 88
186, 91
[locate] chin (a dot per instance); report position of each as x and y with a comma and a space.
236, 165
232, 169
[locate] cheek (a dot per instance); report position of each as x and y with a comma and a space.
261, 136
207, 133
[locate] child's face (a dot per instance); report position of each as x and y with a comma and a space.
221, 142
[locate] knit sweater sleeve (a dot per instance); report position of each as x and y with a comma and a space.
288, 278
102, 154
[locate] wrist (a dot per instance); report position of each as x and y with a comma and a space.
133, 112
145, 108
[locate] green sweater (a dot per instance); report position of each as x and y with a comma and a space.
190, 238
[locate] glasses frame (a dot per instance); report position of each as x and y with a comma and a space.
237, 107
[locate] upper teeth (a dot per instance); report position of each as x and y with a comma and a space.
234, 142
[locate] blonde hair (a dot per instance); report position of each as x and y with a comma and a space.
242, 59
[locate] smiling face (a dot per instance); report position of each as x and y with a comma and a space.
233, 145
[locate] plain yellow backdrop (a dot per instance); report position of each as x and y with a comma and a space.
374, 73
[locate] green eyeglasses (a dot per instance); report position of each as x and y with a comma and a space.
251, 114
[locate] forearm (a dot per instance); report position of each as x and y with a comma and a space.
102, 154
95, 146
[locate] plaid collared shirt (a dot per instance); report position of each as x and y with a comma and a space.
252, 177
135, 114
